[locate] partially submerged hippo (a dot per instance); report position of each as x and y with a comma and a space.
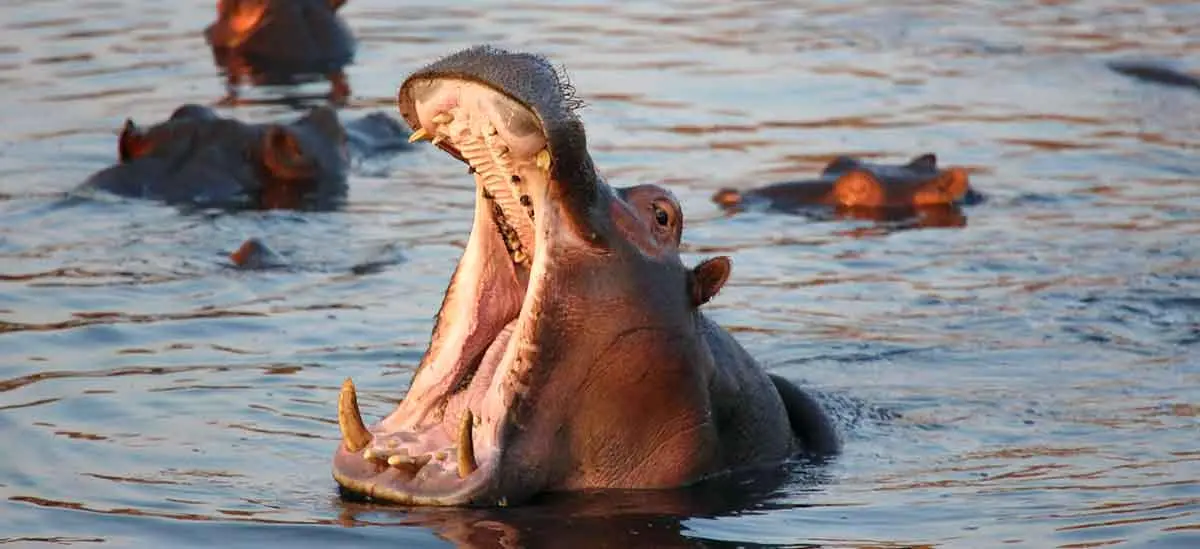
569, 352
199, 158
282, 42
254, 254
1159, 73
853, 184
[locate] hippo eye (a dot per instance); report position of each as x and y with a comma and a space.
661, 215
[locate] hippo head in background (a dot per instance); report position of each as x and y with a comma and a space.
919, 183
917, 191
282, 42
198, 158
570, 352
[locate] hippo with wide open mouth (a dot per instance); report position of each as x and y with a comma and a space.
569, 352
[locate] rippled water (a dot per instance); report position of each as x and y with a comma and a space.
1042, 359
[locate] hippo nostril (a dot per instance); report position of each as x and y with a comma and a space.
420, 90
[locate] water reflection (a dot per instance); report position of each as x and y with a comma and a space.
238, 72
644, 518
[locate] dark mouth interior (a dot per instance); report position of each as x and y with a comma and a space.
443, 441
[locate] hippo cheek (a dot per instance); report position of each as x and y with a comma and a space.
859, 188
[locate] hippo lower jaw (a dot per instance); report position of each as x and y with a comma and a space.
443, 443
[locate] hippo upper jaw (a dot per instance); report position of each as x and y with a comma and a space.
488, 417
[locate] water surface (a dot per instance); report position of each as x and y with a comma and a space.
1042, 358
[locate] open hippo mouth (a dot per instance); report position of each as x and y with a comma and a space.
443, 445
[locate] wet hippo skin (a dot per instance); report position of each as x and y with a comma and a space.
199, 158
282, 42
852, 183
570, 352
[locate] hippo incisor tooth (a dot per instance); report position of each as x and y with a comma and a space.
418, 135
354, 433
543, 159
466, 446
443, 118
396, 460
438, 139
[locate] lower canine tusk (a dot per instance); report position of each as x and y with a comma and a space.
418, 135
354, 434
466, 446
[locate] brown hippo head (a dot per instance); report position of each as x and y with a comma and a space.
282, 41
870, 190
198, 158
569, 352
917, 184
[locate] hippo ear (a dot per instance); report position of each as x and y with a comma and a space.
132, 143
926, 162
839, 165
708, 278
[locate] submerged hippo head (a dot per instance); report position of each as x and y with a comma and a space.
878, 190
917, 184
569, 352
196, 157
277, 41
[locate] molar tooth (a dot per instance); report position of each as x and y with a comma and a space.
368, 454
354, 434
543, 159
519, 256
466, 446
418, 135
443, 118
395, 460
